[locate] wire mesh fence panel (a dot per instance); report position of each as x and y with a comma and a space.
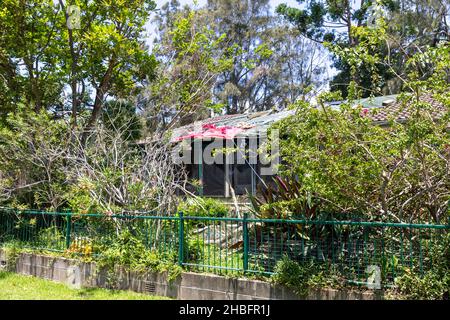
92, 233
353, 248
213, 245
87, 234
235, 246
33, 230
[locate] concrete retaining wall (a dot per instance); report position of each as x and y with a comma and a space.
189, 285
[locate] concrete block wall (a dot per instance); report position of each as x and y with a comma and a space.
192, 286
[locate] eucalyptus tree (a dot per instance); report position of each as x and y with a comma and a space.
190, 58
298, 66
412, 25
398, 169
245, 23
272, 65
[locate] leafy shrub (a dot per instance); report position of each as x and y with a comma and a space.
203, 207
283, 199
343, 159
301, 277
195, 247
292, 275
128, 251
11, 250
79, 198
51, 238
81, 246
432, 286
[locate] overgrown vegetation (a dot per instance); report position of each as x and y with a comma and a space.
303, 277
344, 163
129, 252
87, 113
203, 207
434, 284
283, 200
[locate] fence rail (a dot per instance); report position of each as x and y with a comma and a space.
237, 245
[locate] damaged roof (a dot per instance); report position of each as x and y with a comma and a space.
400, 111
252, 124
385, 108
380, 109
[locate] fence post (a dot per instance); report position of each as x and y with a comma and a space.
180, 239
68, 228
245, 238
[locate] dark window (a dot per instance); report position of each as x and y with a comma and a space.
213, 175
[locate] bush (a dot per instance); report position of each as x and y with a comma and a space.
79, 199
411, 286
434, 284
32, 149
129, 252
203, 207
302, 277
11, 250
352, 165
292, 275
81, 247
51, 238
195, 248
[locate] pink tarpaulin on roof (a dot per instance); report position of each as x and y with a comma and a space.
211, 131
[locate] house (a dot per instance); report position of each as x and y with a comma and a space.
236, 167
239, 168
383, 109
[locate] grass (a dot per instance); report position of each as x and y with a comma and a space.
20, 287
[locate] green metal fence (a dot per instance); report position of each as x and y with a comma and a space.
237, 245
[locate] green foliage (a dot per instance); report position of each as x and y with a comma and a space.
432, 286
435, 283
129, 252
350, 164
22, 287
100, 55
51, 238
291, 274
302, 277
198, 251
46, 164
272, 64
32, 161
12, 250
80, 199
203, 207
267, 62
311, 21
196, 248
364, 61
283, 200
121, 116
399, 38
